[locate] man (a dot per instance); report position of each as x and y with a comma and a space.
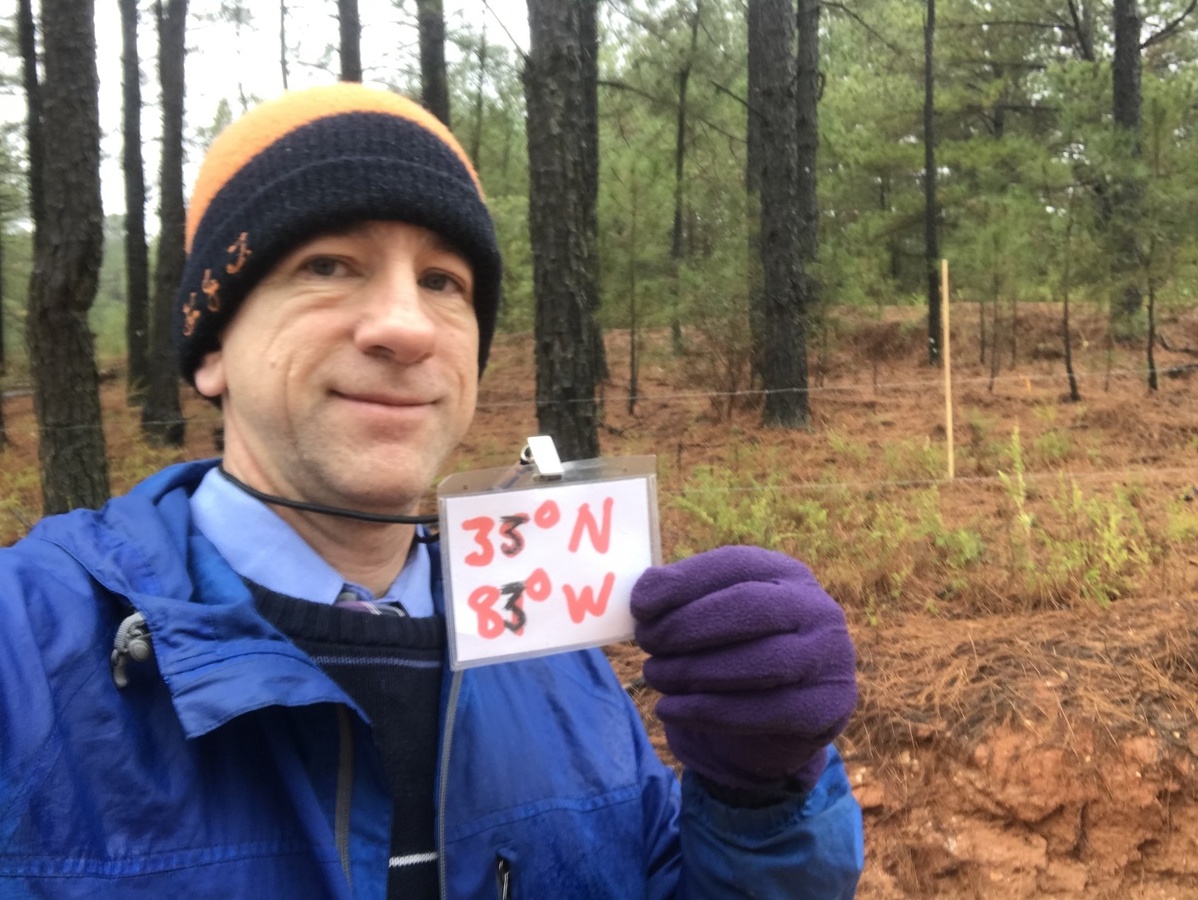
232, 681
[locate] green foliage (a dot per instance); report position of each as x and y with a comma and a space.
917, 459
1181, 522
511, 227
107, 315
206, 134
1100, 548
1091, 548
1021, 525
20, 498
730, 512
18, 260
878, 550
845, 449
718, 354
871, 551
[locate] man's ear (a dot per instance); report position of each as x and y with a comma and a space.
210, 375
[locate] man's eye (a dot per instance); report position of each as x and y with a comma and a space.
325, 266
439, 281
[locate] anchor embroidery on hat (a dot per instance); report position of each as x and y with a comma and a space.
242, 249
211, 288
191, 315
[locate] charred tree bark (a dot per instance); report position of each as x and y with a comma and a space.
588, 41
351, 40
137, 288
562, 175
434, 86
807, 124
161, 417
68, 245
784, 356
931, 212
753, 166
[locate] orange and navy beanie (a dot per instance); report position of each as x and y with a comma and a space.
312, 161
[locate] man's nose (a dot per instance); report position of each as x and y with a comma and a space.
394, 319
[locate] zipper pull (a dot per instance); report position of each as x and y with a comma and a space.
503, 878
132, 642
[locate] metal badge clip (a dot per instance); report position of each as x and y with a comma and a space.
541, 453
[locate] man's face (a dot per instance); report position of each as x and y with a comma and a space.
350, 372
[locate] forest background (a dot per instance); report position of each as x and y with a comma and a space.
1027, 653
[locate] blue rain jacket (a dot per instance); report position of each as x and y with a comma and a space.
231, 765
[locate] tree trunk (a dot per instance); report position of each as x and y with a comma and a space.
351, 40
1153, 384
931, 213
137, 289
161, 418
3, 348
561, 213
434, 86
68, 246
3, 363
684, 75
476, 141
1081, 30
753, 150
784, 373
27, 38
1127, 193
634, 360
807, 124
283, 40
588, 41
1066, 287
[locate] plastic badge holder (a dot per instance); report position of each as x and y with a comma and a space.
541, 558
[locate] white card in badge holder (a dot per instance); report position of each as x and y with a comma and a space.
542, 558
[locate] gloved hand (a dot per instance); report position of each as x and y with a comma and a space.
754, 661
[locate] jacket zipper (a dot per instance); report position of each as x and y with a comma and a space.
451, 714
503, 878
345, 789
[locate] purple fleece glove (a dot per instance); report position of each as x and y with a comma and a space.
754, 661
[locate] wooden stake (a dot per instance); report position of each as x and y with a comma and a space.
947, 361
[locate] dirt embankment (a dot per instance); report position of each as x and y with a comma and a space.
1050, 755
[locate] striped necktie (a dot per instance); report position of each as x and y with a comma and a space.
349, 598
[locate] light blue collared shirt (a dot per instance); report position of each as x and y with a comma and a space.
260, 546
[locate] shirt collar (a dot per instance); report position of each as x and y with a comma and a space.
258, 545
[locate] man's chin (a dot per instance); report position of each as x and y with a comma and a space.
380, 497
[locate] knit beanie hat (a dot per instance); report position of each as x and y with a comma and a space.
312, 161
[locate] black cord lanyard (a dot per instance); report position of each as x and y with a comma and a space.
429, 520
